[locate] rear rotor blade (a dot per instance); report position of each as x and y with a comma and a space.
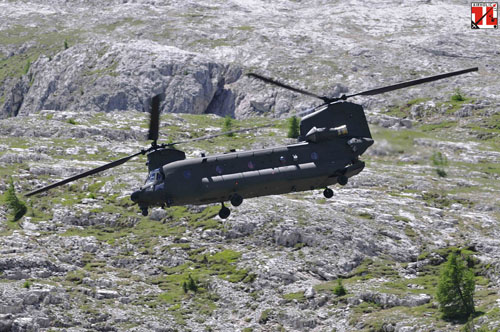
154, 120
271, 81
410, 83
84, 174
216, 135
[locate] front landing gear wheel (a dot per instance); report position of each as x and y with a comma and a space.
342, 180
224, 212
144, 212
328, 193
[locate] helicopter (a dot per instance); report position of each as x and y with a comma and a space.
327, 151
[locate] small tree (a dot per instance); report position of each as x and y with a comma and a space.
339, 290
440, 161
293, 127
14, 204
228, 125
191, 284
456, 289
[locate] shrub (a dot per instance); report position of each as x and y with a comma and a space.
293, 127
66, 46
265, 316
440, 161
228, 125
191, 284
457, 96
14, 204
456, 289
339, 290
27, 284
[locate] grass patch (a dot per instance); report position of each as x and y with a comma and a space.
438, 126
298, 296
403, 111
199, 267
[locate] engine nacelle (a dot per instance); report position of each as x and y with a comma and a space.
322, 134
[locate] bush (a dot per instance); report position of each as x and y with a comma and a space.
190, 285
440, 161
293, 127
457, 96
456, 289
228, 125
14, 204
66, 46
339, 290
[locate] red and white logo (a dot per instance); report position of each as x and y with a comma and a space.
484, 15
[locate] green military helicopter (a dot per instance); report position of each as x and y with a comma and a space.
331, 140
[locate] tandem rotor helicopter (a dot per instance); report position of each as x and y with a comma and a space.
327, 152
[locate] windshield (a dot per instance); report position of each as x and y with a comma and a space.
154, 176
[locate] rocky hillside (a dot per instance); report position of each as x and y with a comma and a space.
84, 259
114, 55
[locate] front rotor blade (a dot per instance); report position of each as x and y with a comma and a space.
411, 83
154, 120
84, 174
271, 81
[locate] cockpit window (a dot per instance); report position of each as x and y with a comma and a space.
154, 176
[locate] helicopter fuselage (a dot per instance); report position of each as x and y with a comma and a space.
317, 162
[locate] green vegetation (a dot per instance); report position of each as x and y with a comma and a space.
374, 316
457, 96
456, 289
195, 274
128, 21
228, 126
293, 127
436, 126
440, 161
16, 207
44, 43
403, 111
75, 276
27, 284
339, 290
245, 28
72, 121
66, 46
27, 66
299, 297
265, 316
190, 285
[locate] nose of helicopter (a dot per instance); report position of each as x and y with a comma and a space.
135, 196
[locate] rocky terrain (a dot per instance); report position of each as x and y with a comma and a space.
77, 74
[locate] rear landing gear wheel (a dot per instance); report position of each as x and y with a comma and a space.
342, 180
224, 212
236, 200
328, 193
144, 211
